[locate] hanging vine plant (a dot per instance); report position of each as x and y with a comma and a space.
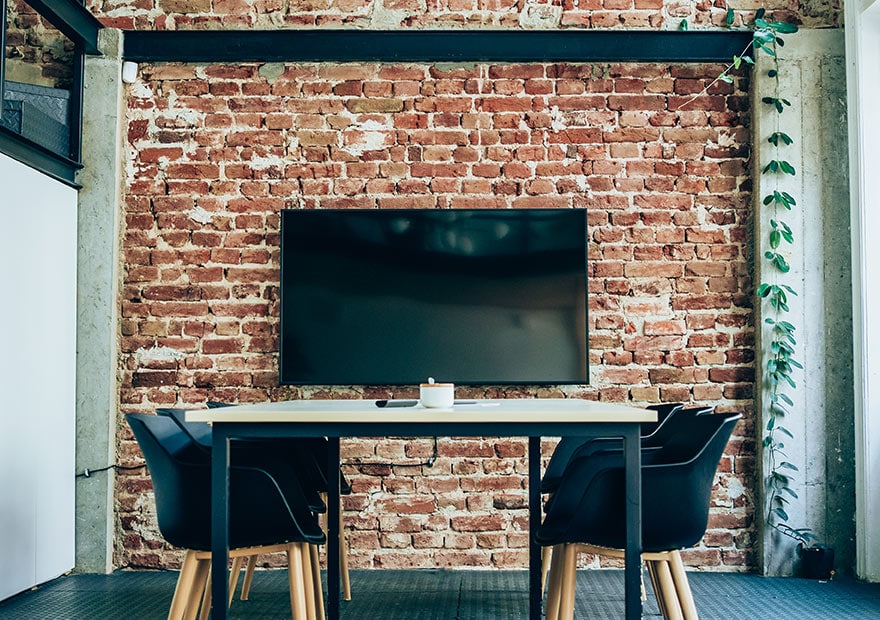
779, 334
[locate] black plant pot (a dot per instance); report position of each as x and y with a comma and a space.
817, 562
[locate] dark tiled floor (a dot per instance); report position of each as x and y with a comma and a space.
450, 595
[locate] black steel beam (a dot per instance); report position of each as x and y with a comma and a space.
73, 19
36, 156
316, 45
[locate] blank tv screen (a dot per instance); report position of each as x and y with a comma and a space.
392, 297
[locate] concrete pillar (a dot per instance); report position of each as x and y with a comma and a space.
97, 390
813, 78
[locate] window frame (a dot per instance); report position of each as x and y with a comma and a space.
80, 26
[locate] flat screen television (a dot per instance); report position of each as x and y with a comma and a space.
471, 296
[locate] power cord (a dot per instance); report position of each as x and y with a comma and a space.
87, 473
360, 464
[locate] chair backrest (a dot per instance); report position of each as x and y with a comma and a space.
663, 411
182, 493
567, 447
199, 432
677, 493
677, 423
676, 490
260, 513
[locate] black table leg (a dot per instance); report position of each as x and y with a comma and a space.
219, 522
535, 593
333, 528
633, 550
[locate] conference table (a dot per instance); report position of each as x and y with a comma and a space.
528, 417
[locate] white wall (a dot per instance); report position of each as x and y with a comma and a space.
37, 376
863, 78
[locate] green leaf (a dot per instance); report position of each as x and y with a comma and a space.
772, 73
725, 78
760, 13
737, 61
781, 514
784, 27
790, 491
683, 25
778, 477
787, 168
787, 465
779, 136
763, 290
728, 19
775, 238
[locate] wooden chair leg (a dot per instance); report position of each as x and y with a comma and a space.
248, 577
343, 551
569, 581
655, 585
308, 586
206, 598
183, 587
295, 582
343, 559
546, 560
233, 578
682, 586
554, 588
667, 591
200, 582
316, 581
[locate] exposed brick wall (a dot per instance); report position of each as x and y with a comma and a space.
36, 52
383, 14
215, 152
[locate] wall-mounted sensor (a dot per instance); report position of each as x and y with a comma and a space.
129, 72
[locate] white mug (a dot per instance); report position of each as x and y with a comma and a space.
437, 395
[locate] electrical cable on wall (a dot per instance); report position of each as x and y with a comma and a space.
426, 463
87, 473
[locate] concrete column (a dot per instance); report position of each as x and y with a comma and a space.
813, 78
97, 390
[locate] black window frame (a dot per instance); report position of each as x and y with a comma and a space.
81, 27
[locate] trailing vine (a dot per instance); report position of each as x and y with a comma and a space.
779, 339
779, 333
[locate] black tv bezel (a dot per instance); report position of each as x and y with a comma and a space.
538, 383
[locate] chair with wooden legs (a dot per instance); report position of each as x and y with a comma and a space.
309, 457
265, 515
587, 513
568, 446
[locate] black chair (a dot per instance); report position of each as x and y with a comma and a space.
588, 514
303, 458
567, 446
265, 516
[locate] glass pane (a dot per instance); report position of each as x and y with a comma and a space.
39, 74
